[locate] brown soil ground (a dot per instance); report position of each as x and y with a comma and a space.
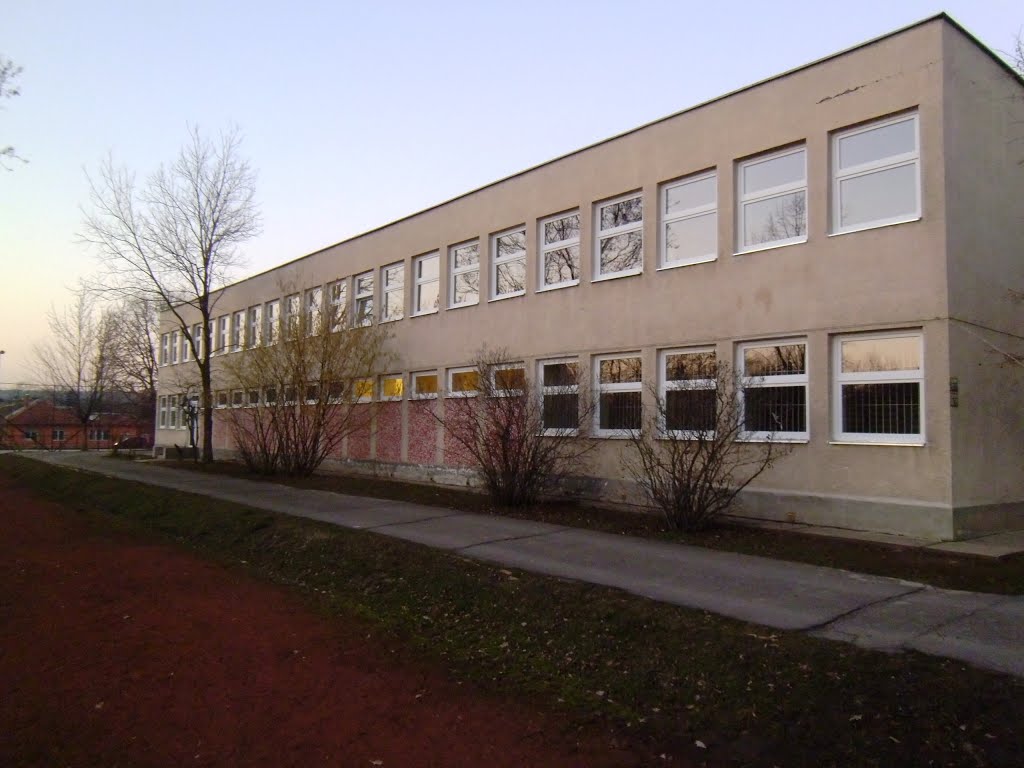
121, 652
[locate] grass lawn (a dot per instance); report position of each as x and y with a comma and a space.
661, 675
941, 569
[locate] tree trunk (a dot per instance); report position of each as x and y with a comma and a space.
207, 405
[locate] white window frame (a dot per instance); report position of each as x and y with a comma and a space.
292, 315
238, 330
497, 261
743, 199
312, 305
364, 398
600, 389
493, 374
364, 298
419, 282
866, 169
338, 297
454, 271
272, 321
787, 380
392, 398
416, 395
162, 412
544, 248
253, 326
559, 389
665, 385
450, 391
684, 215
186, 351
839, 378
604, 234
237, 398
223, 332
57, 434
173, 345
173, 413
223, 398
165, 342
197, 337
387, 288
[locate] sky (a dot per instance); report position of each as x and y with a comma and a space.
356, 114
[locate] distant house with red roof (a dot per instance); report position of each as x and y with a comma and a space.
45, 424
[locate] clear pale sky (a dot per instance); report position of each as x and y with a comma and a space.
355, 113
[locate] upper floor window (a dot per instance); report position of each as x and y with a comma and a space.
185, 349
427, 291
464, 265
620, 237
292, 314
364, 298
165, 348
253, 332
772, 200
618, 385
338, 295
272, 321
774, 389
197, 337
174, 346
878, 382
560, 251
689, 211
876, 175
508, 264
237, 330
314, 298
223, 328
392, 305
508, 379
688, 390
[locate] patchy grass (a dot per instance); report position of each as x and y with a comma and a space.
941, 569
663, 676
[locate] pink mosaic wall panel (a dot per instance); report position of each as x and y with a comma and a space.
389, 432
359, 438
422, 432
455, 455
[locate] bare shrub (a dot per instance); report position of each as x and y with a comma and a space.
690, 457
523, 440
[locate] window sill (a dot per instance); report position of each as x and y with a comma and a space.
506, 296
771, 247
887, 444
691, 263
879, 225
782, 440
425, 313
557, 286
612, 434
464, 304
385, 321
617, 275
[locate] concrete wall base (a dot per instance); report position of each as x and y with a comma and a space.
922, 520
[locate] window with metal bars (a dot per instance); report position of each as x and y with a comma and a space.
878, 387
774, 389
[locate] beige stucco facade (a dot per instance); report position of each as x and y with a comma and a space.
946, 274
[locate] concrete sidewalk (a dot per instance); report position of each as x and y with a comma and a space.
869, 611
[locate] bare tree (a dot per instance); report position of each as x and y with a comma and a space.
175, 242
9, 72
521, 440
690, 458
293, 402
133, 363
77, 361
1017, 54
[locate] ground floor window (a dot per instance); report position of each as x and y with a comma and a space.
618, 382
560, 396
774, 388
877, 396
688, 390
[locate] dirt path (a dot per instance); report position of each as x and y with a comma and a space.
118, 653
